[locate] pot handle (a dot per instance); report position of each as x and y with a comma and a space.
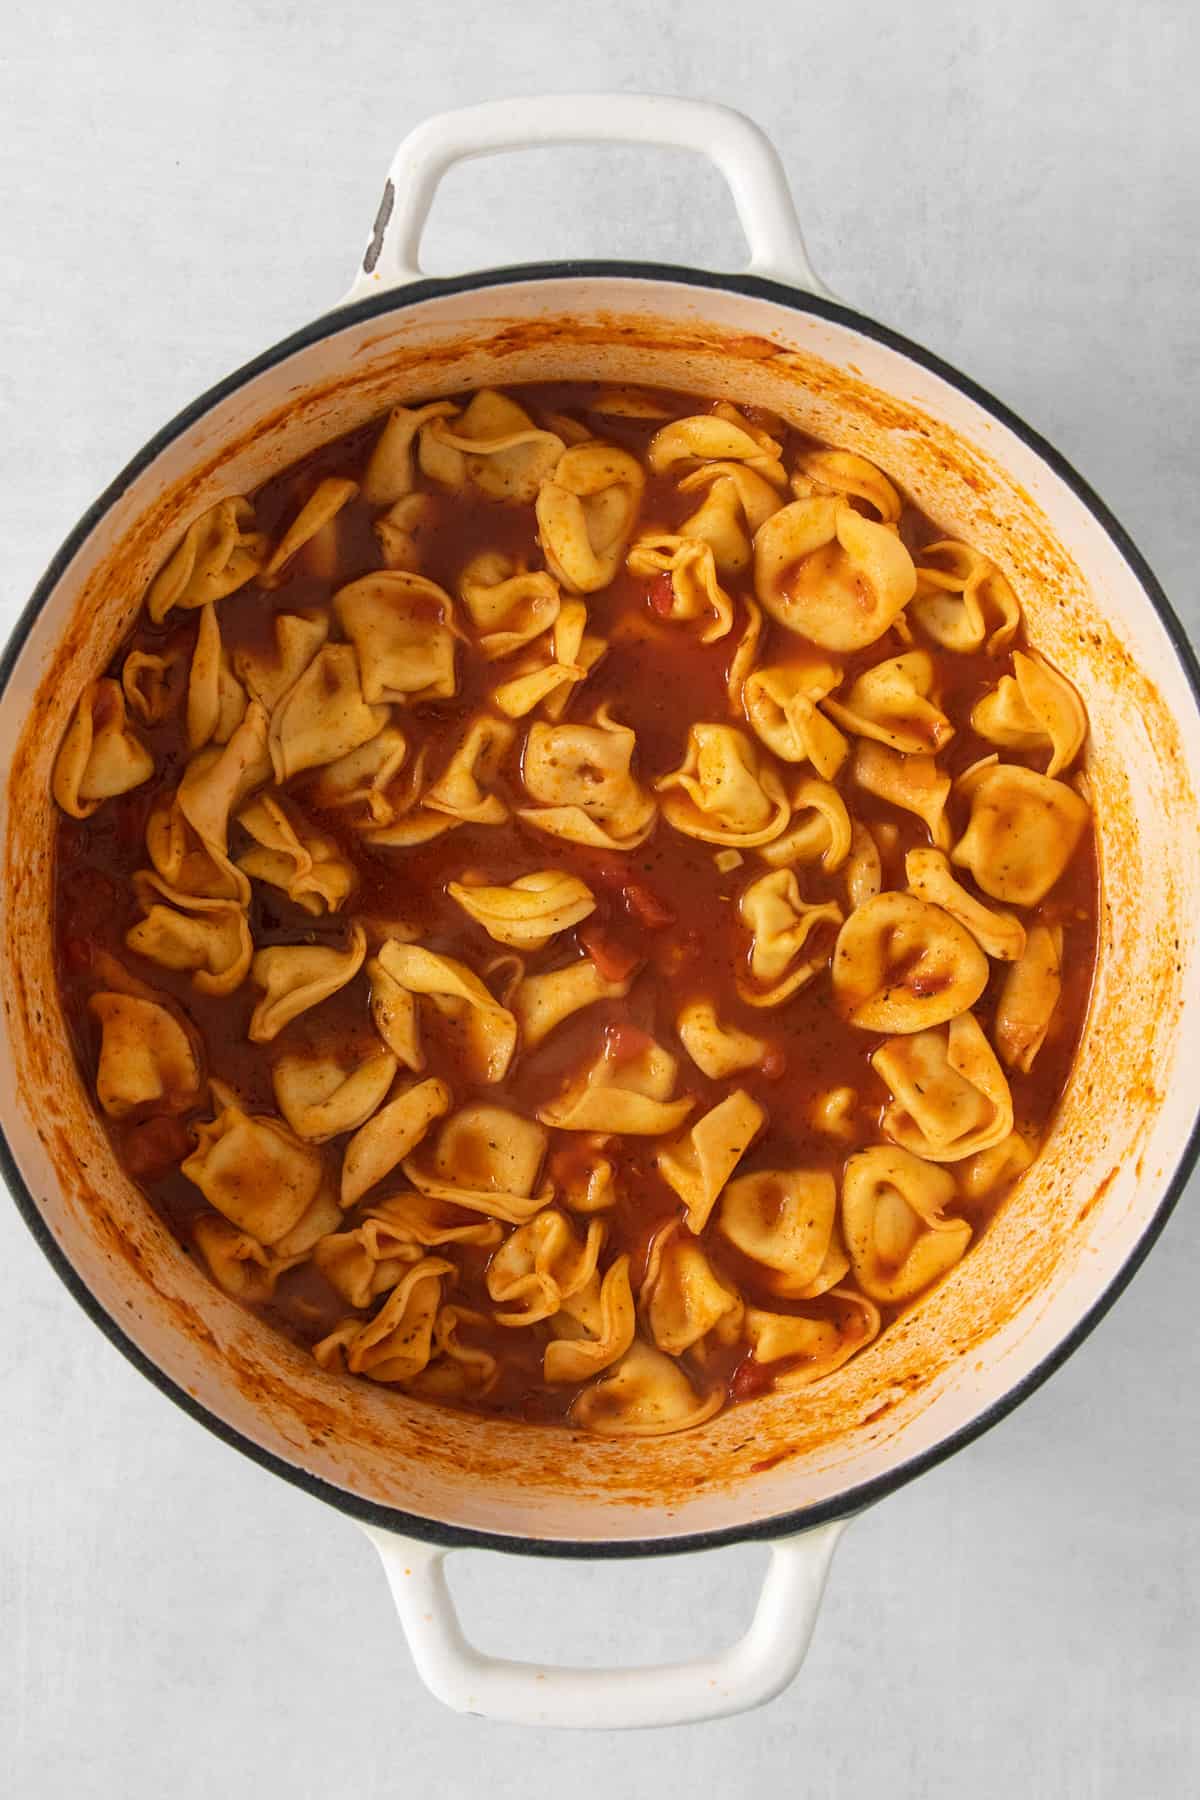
753, 1670
744, 155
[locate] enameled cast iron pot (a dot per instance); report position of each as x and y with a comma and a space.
790, 1469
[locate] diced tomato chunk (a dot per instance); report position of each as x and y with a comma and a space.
661, 595
774, 1063
623, 1041
155, 1146
613, 960
646, 906
750, 1378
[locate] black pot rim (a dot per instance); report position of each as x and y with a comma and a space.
839, 1506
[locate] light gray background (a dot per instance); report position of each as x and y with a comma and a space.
1015, 186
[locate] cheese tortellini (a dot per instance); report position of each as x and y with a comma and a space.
950, 1098
724, 791
590, 892
898, 1234
582, 780
630, 1094
902, 964
101, 755
828, 573
789, 939
1022, 831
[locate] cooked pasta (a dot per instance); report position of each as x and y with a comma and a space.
577, 903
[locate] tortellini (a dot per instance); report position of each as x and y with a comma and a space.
914, 783
812, 1347
459, 1369
683, 1297
220, 552
530, 911
891, 703
390, 1135
404, 635
963, 601
463, 794
216, 782
294, 977
737, 500
841, 472
723, 435
362, 782
395, 1233
590, 967
981, 1174
718, 525
237, 1262
622, 1093
402, 532
897, 1232
582, 780
863, 868
717, 1050
1022, 832
646, 1394
825, 571
950, 1098
494, 445
320, 1098
1034, 708
216, 699
209, 938
489, 1029
586, 512
540, 1265
547, 680
147, 1059
289, 854
595, 1327
696, 593
789, 939
489, 1160
724, 792
723, 484
101, 756
785, 1220
256, 1173
820, 828
150, 683
508, 605
397, 1343
930, 877
541, 1002
313, 531
266, 674
903, 965
1029, 997
781, 705
699, 1164
391, 471
323, 715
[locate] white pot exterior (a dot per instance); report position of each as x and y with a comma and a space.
1079, 1220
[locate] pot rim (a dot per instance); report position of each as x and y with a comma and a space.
778, 1525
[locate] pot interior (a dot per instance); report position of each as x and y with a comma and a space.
1058, 1243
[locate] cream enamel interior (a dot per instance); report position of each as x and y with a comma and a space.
1075, 1219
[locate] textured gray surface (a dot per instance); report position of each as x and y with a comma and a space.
1017, 188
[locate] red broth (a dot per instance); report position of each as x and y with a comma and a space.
664, 908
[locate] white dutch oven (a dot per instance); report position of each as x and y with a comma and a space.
789, 1469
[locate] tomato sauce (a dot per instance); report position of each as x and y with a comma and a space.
666, 914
